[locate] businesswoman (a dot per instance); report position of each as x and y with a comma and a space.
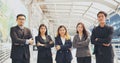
81, 42
44, 44
63, 45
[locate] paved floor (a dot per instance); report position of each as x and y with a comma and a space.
34, 57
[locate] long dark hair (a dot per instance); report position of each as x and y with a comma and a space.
85, 33
42, 25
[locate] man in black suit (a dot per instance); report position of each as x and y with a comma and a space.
21, 39
101, 38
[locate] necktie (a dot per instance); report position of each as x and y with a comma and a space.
22, 31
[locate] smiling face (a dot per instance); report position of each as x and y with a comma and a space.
20, 20
62, 31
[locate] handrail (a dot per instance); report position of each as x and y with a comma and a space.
4, 55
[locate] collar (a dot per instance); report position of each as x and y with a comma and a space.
21, 27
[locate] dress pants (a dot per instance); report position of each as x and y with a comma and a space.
84, 59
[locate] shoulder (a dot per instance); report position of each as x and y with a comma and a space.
109, 27
89, 33
96, 27
13, 28
27, 28
36, 37
49, 36
76, 36
57, 37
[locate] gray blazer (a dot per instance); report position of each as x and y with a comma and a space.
82, 46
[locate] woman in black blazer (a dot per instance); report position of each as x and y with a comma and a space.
44, 44
63, 45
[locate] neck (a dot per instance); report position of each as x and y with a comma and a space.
63, 36
42, 34
102, 24
80, 33
20, 25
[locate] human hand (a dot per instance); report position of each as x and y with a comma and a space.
39, 44
51, 42
58, 47
31, 41
106, 44
96, 39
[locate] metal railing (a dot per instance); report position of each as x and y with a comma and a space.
4, 52
116, 48
4, 55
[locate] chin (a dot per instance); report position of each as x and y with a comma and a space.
21, 25
102, 21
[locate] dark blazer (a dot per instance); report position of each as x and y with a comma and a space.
19, 47
104, 35
82, 46
44, 51
64, 52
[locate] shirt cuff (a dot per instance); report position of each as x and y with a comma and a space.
27, 41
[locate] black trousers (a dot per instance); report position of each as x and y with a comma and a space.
84, 59
104, 59
45, 60
63, 61
20, 60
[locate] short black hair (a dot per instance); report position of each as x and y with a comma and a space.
20, 15
102, 12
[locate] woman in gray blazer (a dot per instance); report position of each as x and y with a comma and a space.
81, 42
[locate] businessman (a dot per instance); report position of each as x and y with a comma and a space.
21, 39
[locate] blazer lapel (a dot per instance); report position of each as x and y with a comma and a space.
19, 31
65, 42
60, 41
24, 32
41, 40
79, 38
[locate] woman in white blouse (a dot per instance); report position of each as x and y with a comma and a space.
63, 45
